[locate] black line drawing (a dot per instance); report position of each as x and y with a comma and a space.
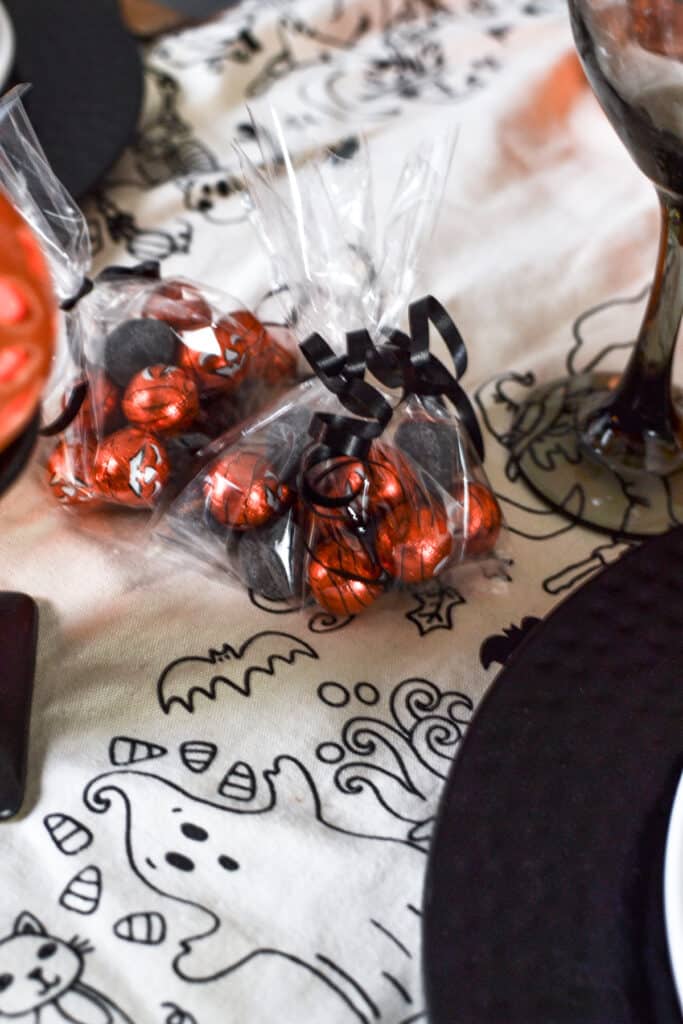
229, 864
68, 835
198, 755
127, 750
499, 647
239, 782
186, 677
82, 894
147, 928
41, 978
176, 1014
403, 764
141, 243
435, 608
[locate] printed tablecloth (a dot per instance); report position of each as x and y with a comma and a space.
257, 852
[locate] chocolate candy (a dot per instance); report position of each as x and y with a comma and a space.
482, 518
433, 445
243, 491
28, 323
268, 559
225, 366
69, 473
414, 541
164, 399
179, 304
101, 410
131, 467
342, 576
135, 344
392, 480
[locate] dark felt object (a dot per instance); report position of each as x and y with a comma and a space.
18, 635
287, 439
267, 559
433, 445
87, 82
135, 344
543, 900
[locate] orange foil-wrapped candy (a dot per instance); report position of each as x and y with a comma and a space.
179, 304
131, 468
69, 473
164, 399
392, 479
226, 363
414, 541
28, 323
101, 408
243, 490
342, 577
482, 518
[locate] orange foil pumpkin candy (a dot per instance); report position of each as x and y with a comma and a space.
28, 323
226, 364
101, 408
243, 491
131, 468
392, 480
342, 577
163, 399
69, 473
482, 518
179, 304
414, 541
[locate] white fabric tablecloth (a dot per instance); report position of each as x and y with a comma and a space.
262, 857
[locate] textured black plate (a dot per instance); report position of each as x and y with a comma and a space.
18, 636
87, 83
543, 901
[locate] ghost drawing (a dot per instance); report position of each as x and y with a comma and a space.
353, 921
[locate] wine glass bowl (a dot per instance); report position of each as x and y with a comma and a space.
619, 464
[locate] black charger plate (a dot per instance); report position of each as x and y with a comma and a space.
543, 900
86, 74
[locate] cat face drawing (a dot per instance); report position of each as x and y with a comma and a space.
35, 968
40, 972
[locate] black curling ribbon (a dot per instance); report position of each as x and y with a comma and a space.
338, 435
151, 269
79, 393
404, 361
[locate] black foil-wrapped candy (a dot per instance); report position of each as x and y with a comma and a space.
432, 445
268, 559
135, 344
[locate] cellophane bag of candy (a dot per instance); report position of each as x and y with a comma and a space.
369, 476
169, 365
45, 254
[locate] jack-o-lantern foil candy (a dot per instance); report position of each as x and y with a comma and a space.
163, 399
131, 468
342, 576
414, 541
392, 480
179, 304
243, 491
226, 361
69, 473
28, 323
481, 518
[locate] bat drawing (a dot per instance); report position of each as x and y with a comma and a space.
499, 647
185, 677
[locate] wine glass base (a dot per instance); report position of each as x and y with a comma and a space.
558, 465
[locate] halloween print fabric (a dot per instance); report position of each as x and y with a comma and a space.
230, 801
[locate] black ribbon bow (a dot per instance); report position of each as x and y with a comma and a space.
405, 361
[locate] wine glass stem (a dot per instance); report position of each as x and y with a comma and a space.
642, 403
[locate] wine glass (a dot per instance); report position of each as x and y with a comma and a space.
602, 449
